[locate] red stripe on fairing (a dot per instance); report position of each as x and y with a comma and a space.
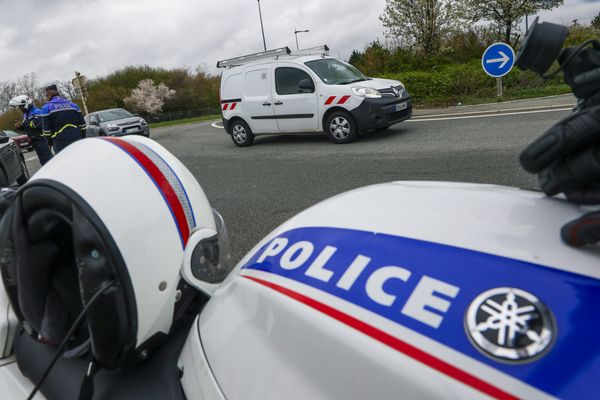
232, 106
225, 106
330, 100
391, 341
343, 99
161, 182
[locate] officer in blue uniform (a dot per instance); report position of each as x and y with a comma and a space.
62, 120
32, 126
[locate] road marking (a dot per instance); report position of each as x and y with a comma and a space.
31, 158
488, 115
444, 117
545, 108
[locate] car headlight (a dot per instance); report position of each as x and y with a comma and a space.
112, 128
369, 93
143, 122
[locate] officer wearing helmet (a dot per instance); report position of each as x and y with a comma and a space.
32, 126
62, 120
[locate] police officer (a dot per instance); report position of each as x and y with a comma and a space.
62, 121
32, 126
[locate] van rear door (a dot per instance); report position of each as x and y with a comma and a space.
258, 101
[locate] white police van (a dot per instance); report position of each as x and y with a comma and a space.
280, 91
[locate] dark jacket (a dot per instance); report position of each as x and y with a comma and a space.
32, 123
62, 120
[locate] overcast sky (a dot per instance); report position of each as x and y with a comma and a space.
54, 38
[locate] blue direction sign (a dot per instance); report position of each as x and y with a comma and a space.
498, 60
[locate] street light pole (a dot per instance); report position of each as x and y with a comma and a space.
296, 33
261, 26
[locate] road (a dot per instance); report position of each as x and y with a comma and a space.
259, 187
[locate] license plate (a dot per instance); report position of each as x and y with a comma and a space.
401, 106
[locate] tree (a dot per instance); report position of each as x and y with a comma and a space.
507, 14
421, 23
28, 84
596, 21
149, 98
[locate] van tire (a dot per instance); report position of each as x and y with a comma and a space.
340, 127
241, 134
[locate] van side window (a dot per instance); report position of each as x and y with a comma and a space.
287, 80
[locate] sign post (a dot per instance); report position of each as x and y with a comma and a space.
80, 88
497, 61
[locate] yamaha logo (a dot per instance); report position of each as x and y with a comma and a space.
510, 324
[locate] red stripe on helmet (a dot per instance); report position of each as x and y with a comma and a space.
330, 100
161, 182
343, 99
393, 342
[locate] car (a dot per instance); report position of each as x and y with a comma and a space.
12, 162
280, 91
21, 139
115, 122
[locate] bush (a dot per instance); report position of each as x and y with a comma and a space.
453, 83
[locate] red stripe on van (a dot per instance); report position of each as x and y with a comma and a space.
330, 100
232, 106
225, 106
343, 99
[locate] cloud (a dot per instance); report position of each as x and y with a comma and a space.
55, 38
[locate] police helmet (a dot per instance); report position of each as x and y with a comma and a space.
115, 212
21, 101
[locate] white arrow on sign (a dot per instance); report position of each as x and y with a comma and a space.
503, 59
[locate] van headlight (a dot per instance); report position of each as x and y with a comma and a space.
369, 93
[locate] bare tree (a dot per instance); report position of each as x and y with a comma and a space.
28, 84
422, 23
507, 14
8, 90
67, 89
149, 98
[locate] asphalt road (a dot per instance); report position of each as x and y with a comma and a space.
259, 187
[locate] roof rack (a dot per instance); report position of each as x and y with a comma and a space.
232, 62
319, 51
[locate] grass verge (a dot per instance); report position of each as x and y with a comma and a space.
185, 121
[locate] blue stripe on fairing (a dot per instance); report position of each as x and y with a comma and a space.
570, 369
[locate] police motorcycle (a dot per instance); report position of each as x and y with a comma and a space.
411, 290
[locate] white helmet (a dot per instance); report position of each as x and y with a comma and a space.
106, 211
21, 101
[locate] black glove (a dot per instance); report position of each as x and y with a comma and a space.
567, 160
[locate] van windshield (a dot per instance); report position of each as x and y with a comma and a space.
335, 72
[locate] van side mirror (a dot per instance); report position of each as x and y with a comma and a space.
306, 85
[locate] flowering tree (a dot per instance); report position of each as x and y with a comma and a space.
149, 98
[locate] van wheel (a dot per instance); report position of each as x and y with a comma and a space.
24, 172
341, 128
241, 134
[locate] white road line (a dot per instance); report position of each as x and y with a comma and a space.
545, 108
447, 117
488, 115
31, 158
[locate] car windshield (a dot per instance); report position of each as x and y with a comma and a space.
336, 72
111, 115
